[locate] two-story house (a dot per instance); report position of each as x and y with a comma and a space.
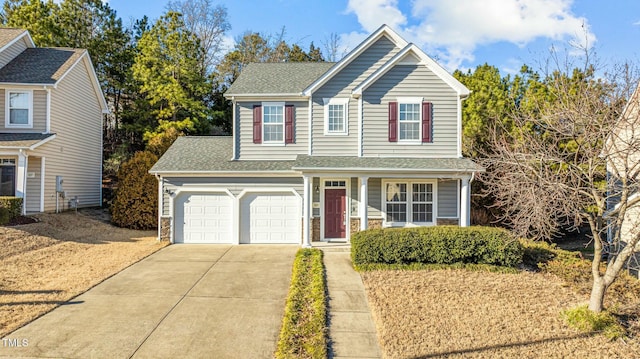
51, 110
321, 150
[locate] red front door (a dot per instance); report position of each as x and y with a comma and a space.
335, 213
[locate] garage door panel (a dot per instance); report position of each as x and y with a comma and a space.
270, 218
204, 218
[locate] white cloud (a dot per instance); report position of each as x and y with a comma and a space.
452, 29
373, 13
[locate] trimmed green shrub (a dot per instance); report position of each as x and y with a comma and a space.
440, 245
304, 326
135, 204
4, 216
13, 205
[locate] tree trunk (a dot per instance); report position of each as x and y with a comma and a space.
596, 302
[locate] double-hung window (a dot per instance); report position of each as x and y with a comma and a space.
408, 203
273, 122
19, 109
409, 121
336, 116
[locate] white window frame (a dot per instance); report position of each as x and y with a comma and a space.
410, 101
344, 102
7, 114
409, 202
273, 104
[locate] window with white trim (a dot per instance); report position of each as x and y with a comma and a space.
273, 122
409, 121
336, 116
19, 109
408, 203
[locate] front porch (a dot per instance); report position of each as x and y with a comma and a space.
335, 204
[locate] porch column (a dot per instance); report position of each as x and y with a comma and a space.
364, 203
465, 202
21, 179
306, 212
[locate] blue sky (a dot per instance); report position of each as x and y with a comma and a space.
460, 34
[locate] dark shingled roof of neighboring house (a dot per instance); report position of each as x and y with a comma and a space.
8, 34
195, 154
277, 77
22, 140
40, 65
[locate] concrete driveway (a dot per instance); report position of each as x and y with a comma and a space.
185, 301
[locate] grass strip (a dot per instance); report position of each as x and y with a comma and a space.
304, 326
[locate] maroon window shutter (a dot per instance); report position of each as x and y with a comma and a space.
257, 124
288, 124
427, 121
393, 122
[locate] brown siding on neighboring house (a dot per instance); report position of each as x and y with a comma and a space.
12, 51
76, 153
32, 200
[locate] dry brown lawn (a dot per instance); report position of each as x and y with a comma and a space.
466, 314
47, 263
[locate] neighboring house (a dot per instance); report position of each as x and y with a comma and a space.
623, 166
322, 150
51, 109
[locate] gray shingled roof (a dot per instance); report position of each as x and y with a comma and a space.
213, 154
40, 65
352, 163
22, 140
8, 34
277, 77
210, 154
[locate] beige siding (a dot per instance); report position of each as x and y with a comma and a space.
11, 52
410, 81
447, 199
39, 112
76, 153
32, 200
340, 86
247, 150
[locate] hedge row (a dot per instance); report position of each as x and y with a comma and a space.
439, 245
11, 208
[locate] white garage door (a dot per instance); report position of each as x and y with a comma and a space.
270, 218
203, 218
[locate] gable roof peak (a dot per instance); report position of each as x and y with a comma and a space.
383, 30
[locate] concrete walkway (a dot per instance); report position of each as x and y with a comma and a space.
185, 301
352, 332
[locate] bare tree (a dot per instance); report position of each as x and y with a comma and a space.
569, 158
209, 22
331, 46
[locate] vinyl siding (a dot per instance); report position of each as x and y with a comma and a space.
32, 200
410, 81
355, 192
76, 152
247, 150
39, 112
12, 51
375, 198
340, 86
447, 199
